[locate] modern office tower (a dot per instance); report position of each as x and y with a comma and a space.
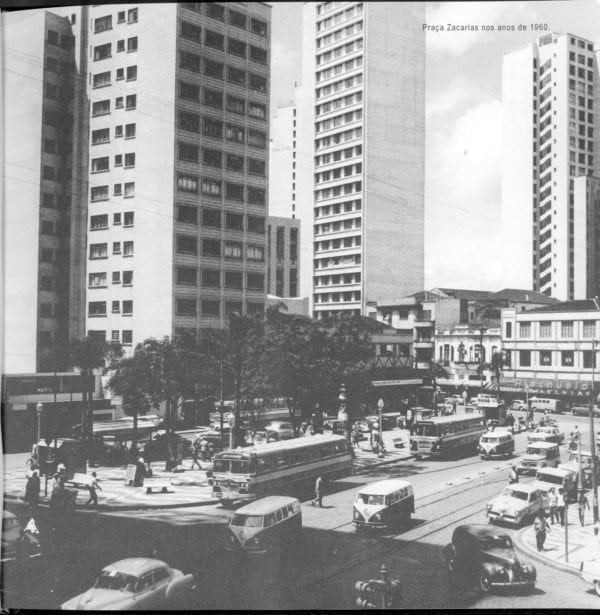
282, 162
365, 69
586, 191
283, 241
551, 96
179, 130
45, 175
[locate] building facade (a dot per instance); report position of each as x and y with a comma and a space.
178, 167
365, 68
283, 240
45, 182
550, 100
552, 350
587, 233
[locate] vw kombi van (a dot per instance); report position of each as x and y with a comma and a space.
270, 524
497, 443
537, 456
383, 504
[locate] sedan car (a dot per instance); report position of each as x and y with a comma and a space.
485, 556
518, 404
590, 573
516, 504
137, 583
546, 434
280, 430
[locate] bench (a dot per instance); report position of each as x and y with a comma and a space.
158, 484
80, 481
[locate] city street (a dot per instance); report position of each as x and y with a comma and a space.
322, 574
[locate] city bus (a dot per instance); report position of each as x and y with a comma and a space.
280, 468
446, 436
493, 411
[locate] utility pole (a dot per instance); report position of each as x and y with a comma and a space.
482, 330
592, 438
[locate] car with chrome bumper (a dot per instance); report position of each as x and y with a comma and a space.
546, 434
516, 504
484, 556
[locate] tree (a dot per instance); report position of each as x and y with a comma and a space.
496, 366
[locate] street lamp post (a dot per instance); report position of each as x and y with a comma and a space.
40, 411
482, 330
231, 423
592, 438
342, 412
380, 405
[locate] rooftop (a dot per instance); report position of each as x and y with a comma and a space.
522, 296
579, 305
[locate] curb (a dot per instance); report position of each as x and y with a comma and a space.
520, 545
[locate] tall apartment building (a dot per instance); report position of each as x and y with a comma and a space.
586, 191
45, 183
282, 161
365, 68
551, 96
179, 130
283, 239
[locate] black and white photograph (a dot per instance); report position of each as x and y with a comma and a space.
301, 305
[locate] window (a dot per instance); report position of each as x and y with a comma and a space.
237, 19
120, 74
214, 40
132, 16
130, 102
257, 54
234, 221
189, 61
120, 16
235, 163
566, 358
47, 310
97, 279
525, 358
187, 214
589, 359
211, 308
102, 24
254, 308
130, 189
589, 328
545, 357
186, 307
234, 191
187, 183
127, 337
127, 308
236, 105
212, 157
255, 281
256, 196
256, 138
100, 164
48, 200
233, 307
99, 193
118, 190
255, 253
189, 121
236, 47
211, 217
211, 277
47, 255
100, 136
130, 131
117, 218
213, 69
187, 244
509, 330
258, 27
187, 275
116, 249
128, 218
257, 111
97, 308
212, 98
211, 187
132, 44
119, 102
236, 75
115, 336
46, 282
256, 167
188, 152
99, 222
102, 52
101, 107
127, 278
118, 131
211, 247
234, 279
118, 160
101, 80
53, 37
47, 228
256, 224
131, 73
235, 133
524, 329
545, 329
258, 83
212, 128
234, 249
189, 91
566, 328
216, 11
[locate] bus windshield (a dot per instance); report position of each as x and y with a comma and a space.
235, 466
425, 429
247, 520
373, 500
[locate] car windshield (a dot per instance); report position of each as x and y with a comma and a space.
247, 520
514, 493
373, 500
495, 542
489, 439
285, 426
533, 450
109, 579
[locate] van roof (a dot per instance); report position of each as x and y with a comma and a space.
562, 471
543, 444
266, 505
385, 487
281, 445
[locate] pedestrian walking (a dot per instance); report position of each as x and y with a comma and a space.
582, 505
319, 486
32, 492
195, 453
203, 449
561, 507
355, 437
540, 526
513, 476
576, 434
572, 442
409, 418
553, 505
210, 451
93, 485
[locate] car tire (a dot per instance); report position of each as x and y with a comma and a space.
484, 582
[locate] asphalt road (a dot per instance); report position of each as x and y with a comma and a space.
322, 573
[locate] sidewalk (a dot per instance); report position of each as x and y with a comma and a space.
397, 448
582, 544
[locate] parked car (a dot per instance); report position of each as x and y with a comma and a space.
137, 583
546, 434
590, 573
516, 504
518, 404
17, 540
485, 556
280, 430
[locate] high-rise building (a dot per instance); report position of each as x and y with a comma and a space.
586, 191
45, 183
363, 98
550, 92
179, 98
283, 239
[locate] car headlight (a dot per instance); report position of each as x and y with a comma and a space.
356, 514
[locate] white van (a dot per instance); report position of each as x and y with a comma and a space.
497, 443
383, 504
541, 404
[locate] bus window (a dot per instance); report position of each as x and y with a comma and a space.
269, 520
239, 466
247, 520
278, 515
221, 465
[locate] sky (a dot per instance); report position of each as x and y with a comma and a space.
463, 110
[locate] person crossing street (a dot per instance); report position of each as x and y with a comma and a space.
92, 487
319, 485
